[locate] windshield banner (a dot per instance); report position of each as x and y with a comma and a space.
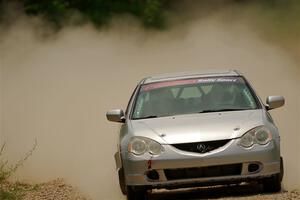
157, 85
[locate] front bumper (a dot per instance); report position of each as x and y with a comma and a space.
266, 157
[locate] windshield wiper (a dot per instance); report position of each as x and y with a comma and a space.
147, 117
220, 110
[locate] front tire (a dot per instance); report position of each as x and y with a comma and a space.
273, 184
122, 181
136, 194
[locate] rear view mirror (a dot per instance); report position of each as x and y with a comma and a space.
274, 102
116, 115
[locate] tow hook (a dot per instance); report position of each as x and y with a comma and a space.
149, 163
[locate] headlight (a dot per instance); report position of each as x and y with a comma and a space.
247, 140
259, 135
263, 136
140, 145
154, 148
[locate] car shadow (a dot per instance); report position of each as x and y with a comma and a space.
208, 192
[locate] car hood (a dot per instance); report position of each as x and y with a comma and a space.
198, 127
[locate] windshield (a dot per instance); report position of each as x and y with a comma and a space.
193, 96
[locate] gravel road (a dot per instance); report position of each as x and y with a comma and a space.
53, 190
247, 191
59, 190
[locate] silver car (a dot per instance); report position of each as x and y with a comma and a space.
196, 129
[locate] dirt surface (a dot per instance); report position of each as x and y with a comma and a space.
53, 190
59, 190
56, 189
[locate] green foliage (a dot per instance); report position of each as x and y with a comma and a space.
97, 11
150, 12
153, 13
1, 10
16, 190
4, 195
7, 170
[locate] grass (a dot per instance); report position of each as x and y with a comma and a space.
4, 195
13, 191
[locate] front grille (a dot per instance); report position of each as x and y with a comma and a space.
203, 172
201, 147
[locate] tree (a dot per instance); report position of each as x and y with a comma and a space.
150, 12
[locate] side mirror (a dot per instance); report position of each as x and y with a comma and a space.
274, 102
116, 115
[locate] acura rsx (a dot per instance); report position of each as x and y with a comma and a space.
196, 129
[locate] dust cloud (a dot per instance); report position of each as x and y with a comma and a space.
58, 90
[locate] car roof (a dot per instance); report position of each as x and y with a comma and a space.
187, 75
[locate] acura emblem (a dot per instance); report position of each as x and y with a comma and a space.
201, 148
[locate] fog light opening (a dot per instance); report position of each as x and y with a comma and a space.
153, 175
253, 167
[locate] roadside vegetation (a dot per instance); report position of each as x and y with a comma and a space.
13, 191
152, 13
276, 21
99, 12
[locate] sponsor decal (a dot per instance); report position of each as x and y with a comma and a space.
210, 80
157, 85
